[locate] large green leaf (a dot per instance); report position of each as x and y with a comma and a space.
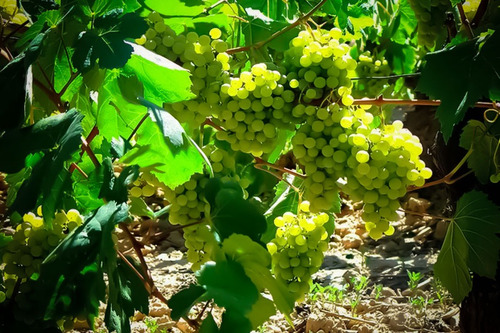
49, 176
157, 73
172, 166
42, 136
232, 214
179, 7
256, 260
182, 301
105, 43
459, 76
71, 278
228, 285
471, 243
126, 295
482, 159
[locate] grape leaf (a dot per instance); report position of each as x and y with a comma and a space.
227, 284
105, 43
182, 301
471, 242
260, 28
72, 271
209, 325
172, 166
482, 159
157, 73
178, 7
459, 76
255, 260
232, 214
126, 295
49, 176
42, 136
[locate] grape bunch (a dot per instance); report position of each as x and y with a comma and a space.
188, 206
145, 186
204, 56
339, 149
31, 243
318, 63
254, 105
431, 16
369, 66
297, 248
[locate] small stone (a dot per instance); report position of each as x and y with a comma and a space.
351, 241
388, 292
423, 234
440, 231
397, 322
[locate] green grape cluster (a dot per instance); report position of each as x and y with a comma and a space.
145, 185
204, 56
297, 248
340, 149
369, 66
31, 243
318, 63
254, 105
188, 206
431, 16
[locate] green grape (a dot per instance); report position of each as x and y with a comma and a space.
253, 106
370, 66
297, 248
188, 205
431, 17
30, 244
374, 165
203, 55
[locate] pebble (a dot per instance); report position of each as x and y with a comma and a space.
351, 241
388, 292
397, 322
423, 234
440, 231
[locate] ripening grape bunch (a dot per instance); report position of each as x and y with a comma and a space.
297, 248
318, 63
254, 105
369, 66
340, 150
431, 16
203, 55
144, 186
188, 206
29, 246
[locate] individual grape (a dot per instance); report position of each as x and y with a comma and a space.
297, 248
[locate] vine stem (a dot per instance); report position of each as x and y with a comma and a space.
297, 22
481, 10
147, 279
465, 20
259, 161
93, 133
379, 101
384, 77
137, 248
411, 212
447, 179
